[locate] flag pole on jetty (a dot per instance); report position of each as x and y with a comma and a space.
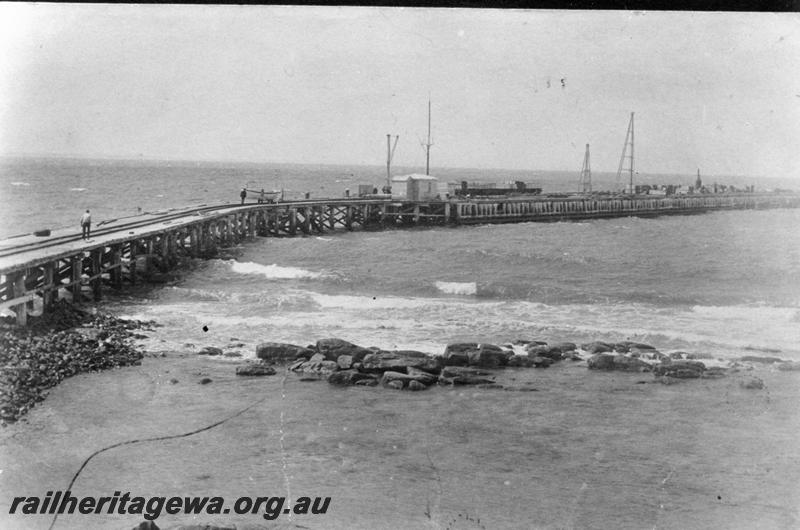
428, 144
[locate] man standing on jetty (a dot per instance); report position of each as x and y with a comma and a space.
86, 224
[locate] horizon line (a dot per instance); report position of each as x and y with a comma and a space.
141, 159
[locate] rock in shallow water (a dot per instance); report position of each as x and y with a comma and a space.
457, 375
541, 362
680, 369
597, 347
520, 361
603, 361
399, 361
345, 362
413, 374
281, 352
627, 345
550, 352
322, 368
350, 377
481, 355
396, 385
332, 349
415, 386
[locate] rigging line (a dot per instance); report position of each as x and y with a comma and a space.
155, 439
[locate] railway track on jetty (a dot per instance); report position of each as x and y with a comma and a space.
37, 271
47, 241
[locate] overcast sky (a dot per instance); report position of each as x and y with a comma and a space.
509, 88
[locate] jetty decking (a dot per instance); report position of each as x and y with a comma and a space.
40, 270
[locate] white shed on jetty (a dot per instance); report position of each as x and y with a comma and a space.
415, 187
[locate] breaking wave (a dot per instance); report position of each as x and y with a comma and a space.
463, 288
273, 272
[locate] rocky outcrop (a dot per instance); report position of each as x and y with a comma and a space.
564, 347
415, 385
421, 376
553, 353
400, 361
459, 375
680, 369
474, 354
281, 352
520, 361
349, 377
597, 347
390, 377
622, 363
322, 368
344, 361
210, 350
541, 362
333, 348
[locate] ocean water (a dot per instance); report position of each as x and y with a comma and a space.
724, 283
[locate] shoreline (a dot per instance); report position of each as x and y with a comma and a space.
72, 340
325, 436
58, 345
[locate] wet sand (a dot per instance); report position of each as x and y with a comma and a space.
585, 450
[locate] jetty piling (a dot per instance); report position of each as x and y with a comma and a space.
51, 271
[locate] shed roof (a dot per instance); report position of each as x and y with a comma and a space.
413, 176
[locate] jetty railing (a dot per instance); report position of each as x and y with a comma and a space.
64, 267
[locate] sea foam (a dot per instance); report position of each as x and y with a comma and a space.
464, 288
273, 272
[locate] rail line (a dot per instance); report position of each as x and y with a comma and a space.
153, 219
57, 240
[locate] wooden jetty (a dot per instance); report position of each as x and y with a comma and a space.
43, 270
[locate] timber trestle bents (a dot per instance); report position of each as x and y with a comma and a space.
65, 267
